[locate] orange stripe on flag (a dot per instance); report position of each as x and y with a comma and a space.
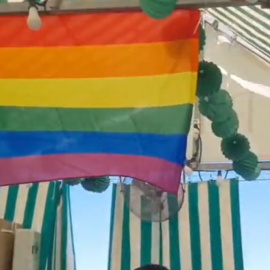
100, 61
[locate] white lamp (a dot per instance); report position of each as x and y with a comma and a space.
34, 22
220, 179
188, 171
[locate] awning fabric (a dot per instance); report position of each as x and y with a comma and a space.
45, 208
247, 80
252, 23
206, 234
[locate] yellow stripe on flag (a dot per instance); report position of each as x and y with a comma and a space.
133, 92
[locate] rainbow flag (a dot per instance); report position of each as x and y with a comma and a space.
97, 94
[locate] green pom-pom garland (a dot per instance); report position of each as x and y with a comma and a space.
217, 106
222, 98
235, 147
74, 181
96, 184
209, 79
247, 167
255, 174
158, 9
228, 127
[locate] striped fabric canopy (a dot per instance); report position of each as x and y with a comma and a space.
206, 234
97, 94
62, 256
43, 208
252, 23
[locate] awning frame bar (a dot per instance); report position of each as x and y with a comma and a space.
81, 6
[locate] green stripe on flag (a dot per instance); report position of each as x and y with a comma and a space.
129, 121
236, 225
215, 232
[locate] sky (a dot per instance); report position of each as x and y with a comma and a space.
91, 221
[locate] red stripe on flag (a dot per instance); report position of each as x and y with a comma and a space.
33, 169
98, 29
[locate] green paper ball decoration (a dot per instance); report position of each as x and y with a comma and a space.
255, 175
217, 107
202, 37
222, 97
73, 182
235, 147
96, 184
158, 9
247, 167
226, 128
209, 79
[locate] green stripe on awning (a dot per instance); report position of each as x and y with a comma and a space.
11, 203
30, 206
146, 239
193, 198
236, 225
215, 227
250, 23
174, 237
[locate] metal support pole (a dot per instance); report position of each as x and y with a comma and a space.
83, 6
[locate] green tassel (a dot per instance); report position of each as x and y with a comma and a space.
235, 147
96, 184
209, 79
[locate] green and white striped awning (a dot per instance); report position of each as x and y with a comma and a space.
252, 23
63, 252
44, 208
205, 235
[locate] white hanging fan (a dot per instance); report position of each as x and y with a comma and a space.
151, 203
